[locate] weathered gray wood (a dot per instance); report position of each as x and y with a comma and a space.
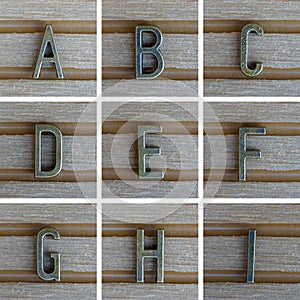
154, 291
158, 213
53, 88
78, 254
272, 253
274, 50
17, 152
155, 88
264, 214
251, 10
48, 10
39, 112
252, 111
57, 213
158, 111
185, 57
33, 291
253, 190
119, 253
138, 189
75, 50
18, 189
120, 151
213, 291
250, 88
156, 10
279, 153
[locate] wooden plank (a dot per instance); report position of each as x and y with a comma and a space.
57, 213
18, 189
69, 47
17, 152
78, 254
245, 189
251, 291
279, 153
239, 213
53, 88
181, 254
138, 189
159, 214
132, 10
238, 10
32, 291
184, 57
250, 88
49, 112
48, 10
272, 253
254, 112
274, 50
174, 153
157, 88
159, 111
154, 291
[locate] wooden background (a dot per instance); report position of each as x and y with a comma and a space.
278, 49
277, 251
178, 143
77, 121
177, 20
119, 255
19, 225
277, 173
22, 27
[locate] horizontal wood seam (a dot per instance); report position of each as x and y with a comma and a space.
132, 174
168, 73
269, 26
112, 276
48, 73
167, 27
236, 73
66, 128
253, 175
64, 176
241, 229
31, 276
60, 27
171, 230
260, 276
168, 127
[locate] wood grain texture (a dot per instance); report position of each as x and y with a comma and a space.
178, 22
18, 248
237, 10
118, 252
275, 49
50, 291
154, 291
119, 151
37, 213
49, 10
278, 168
156, 10
255, 291
265, 214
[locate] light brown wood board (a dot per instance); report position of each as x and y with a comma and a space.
77, 122
178, 142
275, 174
178, 21
119, 225
19, 225
22, 29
